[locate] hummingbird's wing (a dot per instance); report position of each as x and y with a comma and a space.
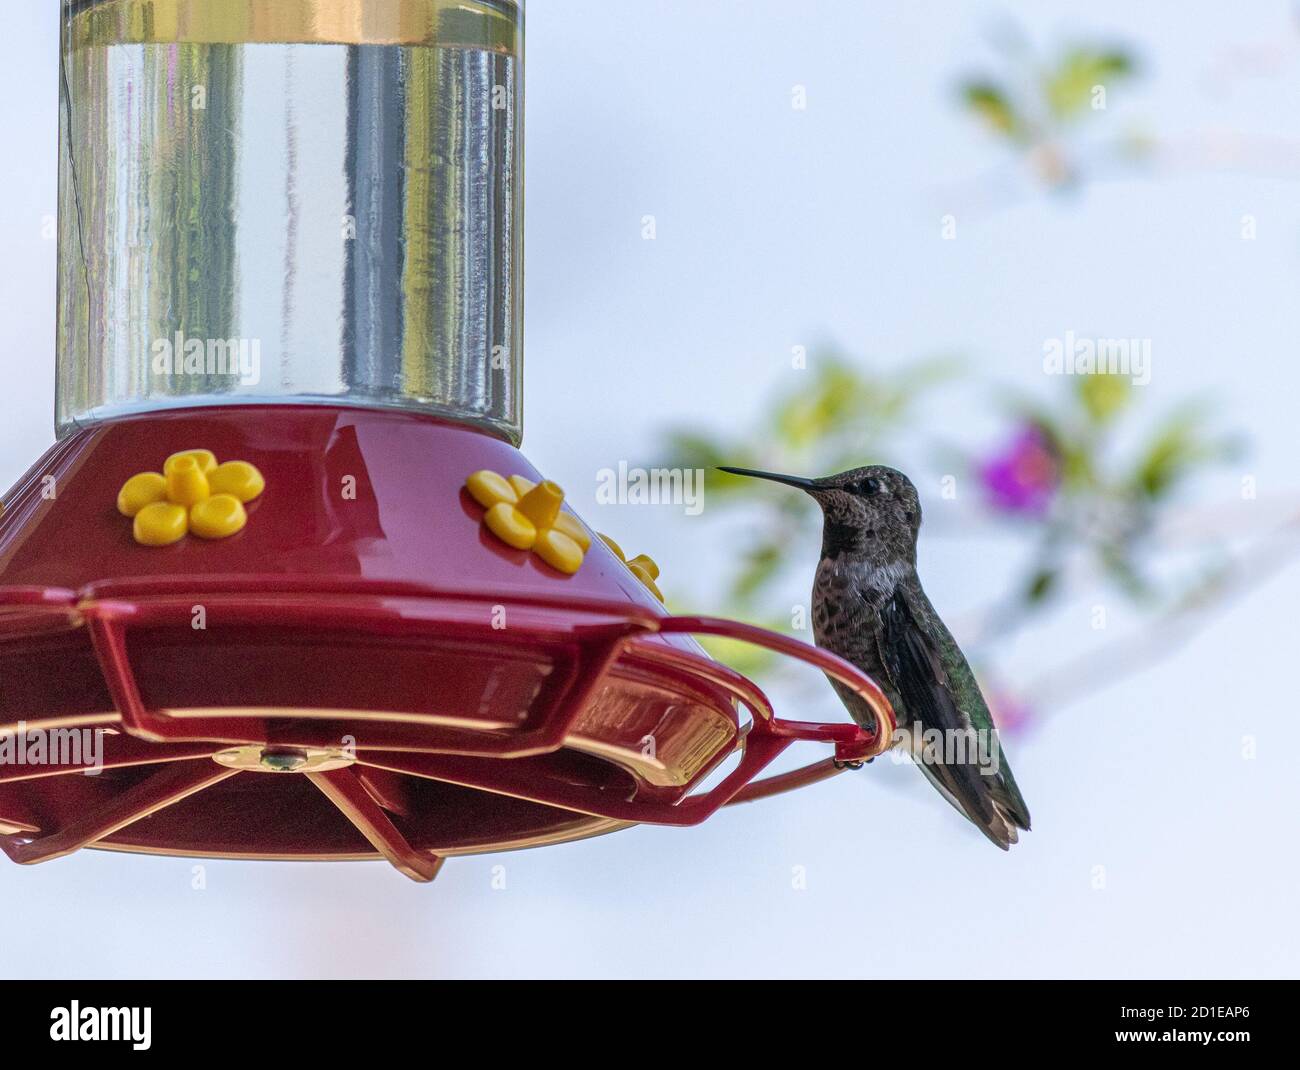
931, 676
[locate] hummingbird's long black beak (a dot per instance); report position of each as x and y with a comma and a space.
772, 477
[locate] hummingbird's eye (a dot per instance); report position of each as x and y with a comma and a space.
868, 488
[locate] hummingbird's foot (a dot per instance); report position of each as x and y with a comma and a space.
841, 766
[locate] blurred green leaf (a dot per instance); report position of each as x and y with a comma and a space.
924, 374
1177, 448
759, 565
745, 659
691, 450
1068, 89
1042, 584
1104, 396
1077, 469
993, 106
1118, 564
703, 450
833, 400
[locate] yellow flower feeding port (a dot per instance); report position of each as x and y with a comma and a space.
193, 494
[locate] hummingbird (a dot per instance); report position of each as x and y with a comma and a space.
868, 607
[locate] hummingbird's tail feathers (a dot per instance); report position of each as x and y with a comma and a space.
978, 798
1009, 816
986, 800
1009, 810
1007, 797
913, 655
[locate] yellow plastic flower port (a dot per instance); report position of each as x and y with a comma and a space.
186, 483
205, 459
238, 479
192, 494
642, 567
161, 524
139, 491
510, 525
565, 522
559, 551
218, 517
530, 516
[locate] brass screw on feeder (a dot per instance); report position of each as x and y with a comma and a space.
260, 758
283, 759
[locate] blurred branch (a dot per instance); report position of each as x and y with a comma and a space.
1167, 633
1038, 108
1060, 170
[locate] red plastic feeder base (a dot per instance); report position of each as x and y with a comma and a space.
362, 672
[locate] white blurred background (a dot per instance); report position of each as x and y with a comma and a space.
775, 228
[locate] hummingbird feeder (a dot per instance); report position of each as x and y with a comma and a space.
285, 562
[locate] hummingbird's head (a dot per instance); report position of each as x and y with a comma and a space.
874, 511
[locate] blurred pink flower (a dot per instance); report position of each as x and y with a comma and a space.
1025, 476
1011, 716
